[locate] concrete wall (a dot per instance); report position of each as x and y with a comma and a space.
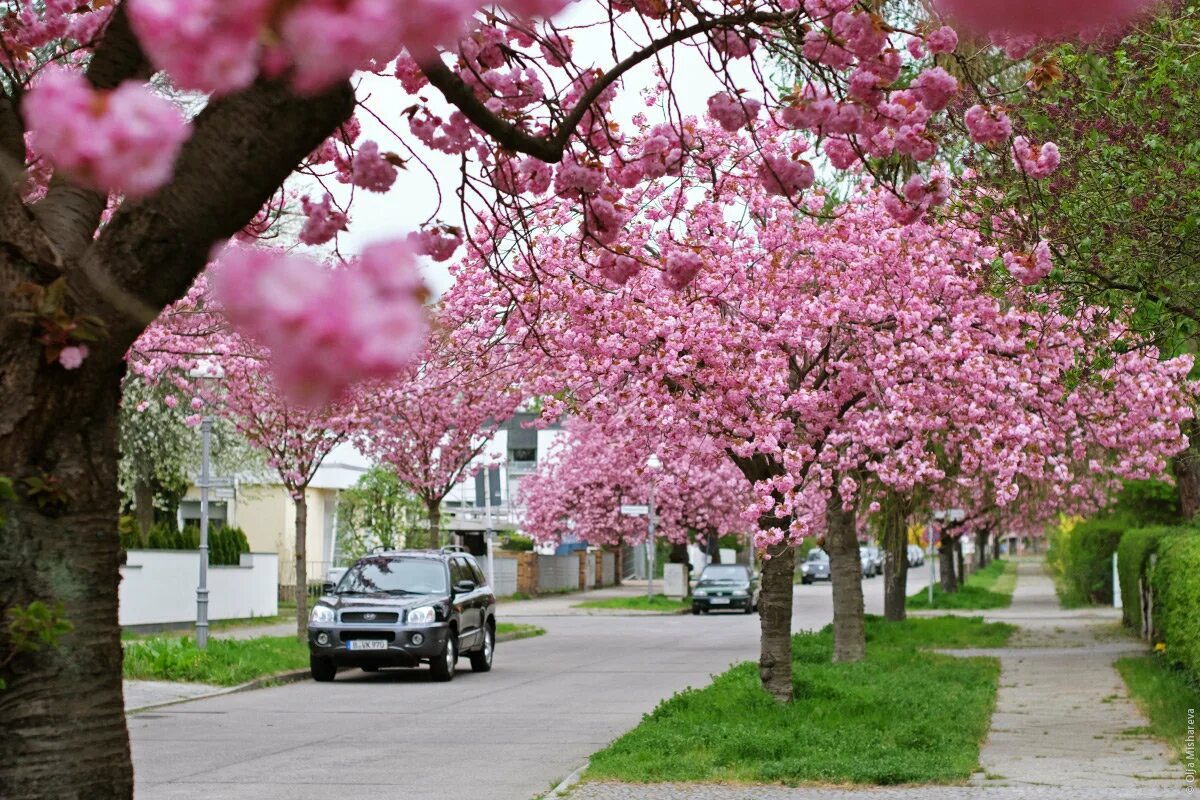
505, 576
608, 568
557, 572
159, 586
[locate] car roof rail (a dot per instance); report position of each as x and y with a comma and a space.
454, 548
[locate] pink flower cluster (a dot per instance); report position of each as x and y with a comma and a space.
733, 112
1036, 161
322, 221
1043, 18
326, 327
988, 124
1029, 268
121, 141
371, 169
785, 176
438, 242
681, 269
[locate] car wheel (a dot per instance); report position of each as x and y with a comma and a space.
481, 659
322, 670
806, 581
695, 610
749, 608
442, 666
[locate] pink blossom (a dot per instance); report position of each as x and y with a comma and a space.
840, 152
122, 141
322, 221
988, 124
1048, 18
733, 112
785, 176
1029, 268
935, 87
681, 268
72, 357
439, 243
193, 420
1036, 161
171, 401
371, 169
942, 40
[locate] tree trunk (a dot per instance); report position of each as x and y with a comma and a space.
959, 561
946, 563
775, 622
895, 567
301, 502
1186, 468
981, 549
712, 546
62, 710
434, 510
845, 569
996, 546
143, 507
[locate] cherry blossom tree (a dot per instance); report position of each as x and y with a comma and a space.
192, 347
432, 423
578, 491
114, 201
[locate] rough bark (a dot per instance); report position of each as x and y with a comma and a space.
143, 506
775, 622
959, 562
712, 546
981, 548
995, 546
63, 720
895, 567
301, 545
845, 569
434, 509
946, 564
1186, 468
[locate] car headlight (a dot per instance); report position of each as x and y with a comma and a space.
421, 616
739, 592
700, 593
804, 567
321, 614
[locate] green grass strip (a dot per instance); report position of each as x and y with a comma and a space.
516, 630
638, 603
1164, 694
226, 662
903, 715
990, 587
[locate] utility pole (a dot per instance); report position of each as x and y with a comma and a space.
202, 589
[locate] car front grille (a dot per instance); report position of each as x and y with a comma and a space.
348, 635
370, 616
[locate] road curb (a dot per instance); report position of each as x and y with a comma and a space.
281, 678
567, 783
278, 679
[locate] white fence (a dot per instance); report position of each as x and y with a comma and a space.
159, 587
608, 568
558, 572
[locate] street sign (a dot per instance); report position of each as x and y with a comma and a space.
635, 511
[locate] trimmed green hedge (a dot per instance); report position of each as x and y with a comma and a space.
225, 544
1083, 557
1133, 556
1176, 584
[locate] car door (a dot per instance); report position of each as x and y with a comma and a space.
484, 599
466, 604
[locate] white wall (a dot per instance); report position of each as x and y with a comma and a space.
159, 586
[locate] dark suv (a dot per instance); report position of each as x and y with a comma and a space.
402, 609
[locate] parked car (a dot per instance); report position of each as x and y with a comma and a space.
876, 556
725, 587
916, 556
815, 567
404, 609
868, 564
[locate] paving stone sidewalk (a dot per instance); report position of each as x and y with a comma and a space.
1064, 726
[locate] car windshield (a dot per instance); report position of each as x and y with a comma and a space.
723, 574
394, 576
817, 555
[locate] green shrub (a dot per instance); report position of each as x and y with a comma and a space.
1176, 584
161, 536
515, 541
1133, 555
1085, 556
129, 532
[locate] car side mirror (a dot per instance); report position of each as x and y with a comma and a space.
327, 587
464, 587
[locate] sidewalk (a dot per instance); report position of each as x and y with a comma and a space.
1063, 729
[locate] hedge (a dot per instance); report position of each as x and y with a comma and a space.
1133, 556
1176, 585
225, 544
1084, 557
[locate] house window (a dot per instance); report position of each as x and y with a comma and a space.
522, 454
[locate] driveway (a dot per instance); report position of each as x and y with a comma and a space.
511, 734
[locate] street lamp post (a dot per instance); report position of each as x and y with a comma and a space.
654, 465
202, 589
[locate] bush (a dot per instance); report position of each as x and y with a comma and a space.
225, 545
1133, 556
129, 532
517, 542
1176, 584
1082, 556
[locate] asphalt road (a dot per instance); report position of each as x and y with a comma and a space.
511, 734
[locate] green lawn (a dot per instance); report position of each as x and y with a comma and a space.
516, 630
901, 716
1164, 694
990, 587
226, 662
639, 603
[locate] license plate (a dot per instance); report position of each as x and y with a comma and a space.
367, 644
716, 601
